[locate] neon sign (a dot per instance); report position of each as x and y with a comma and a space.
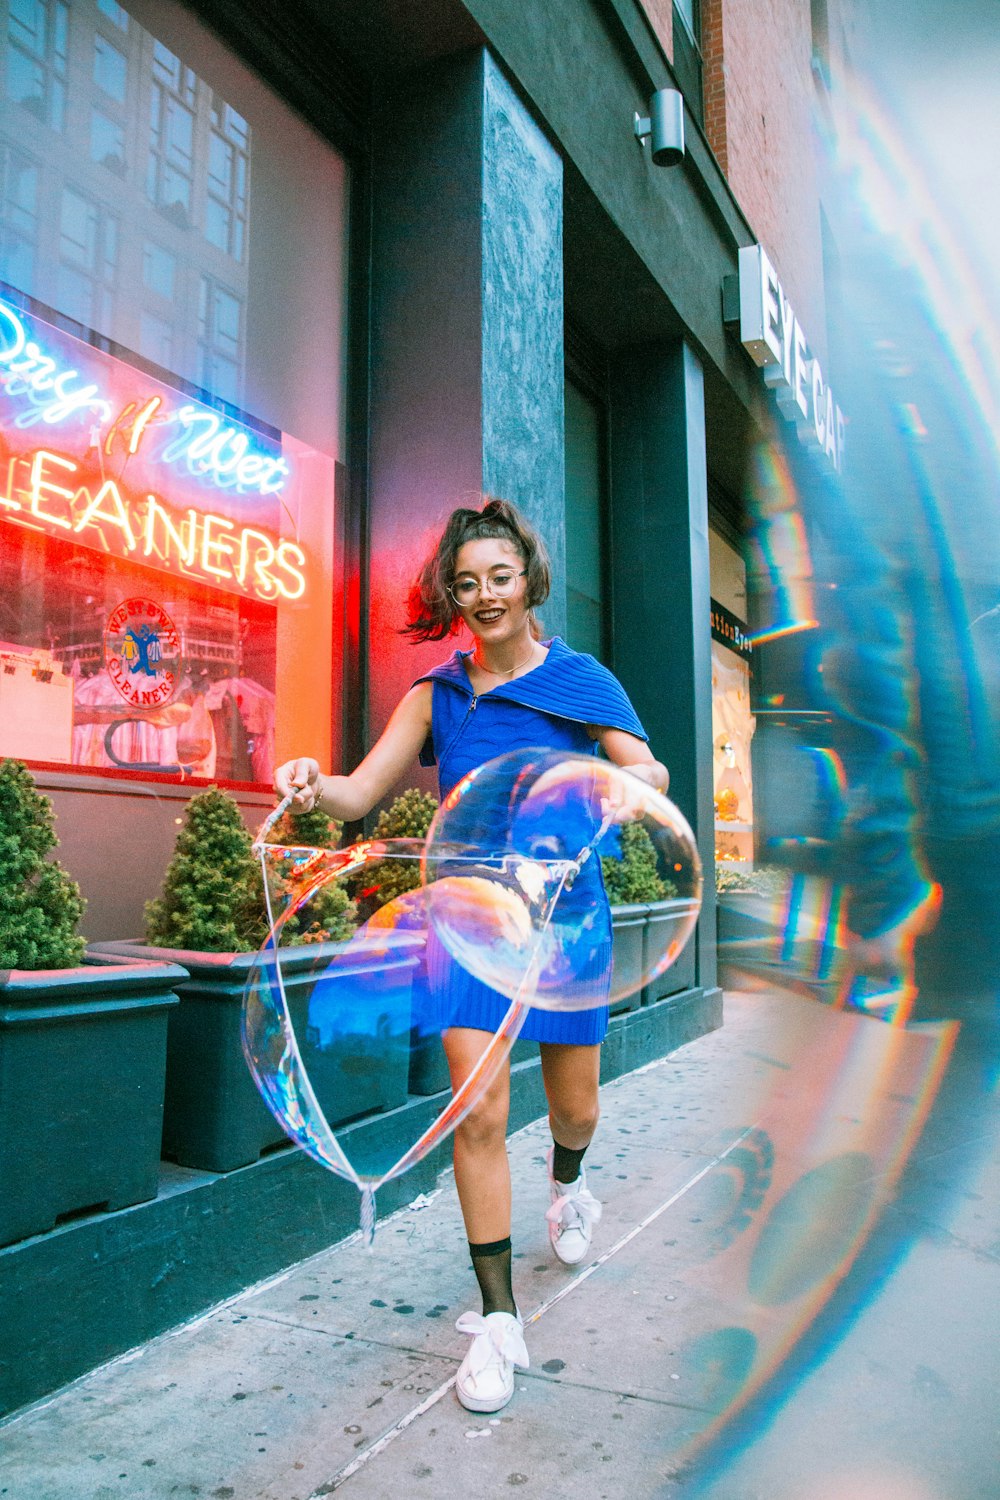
211, 451
88, 457
34, 374
223, 453
50, 492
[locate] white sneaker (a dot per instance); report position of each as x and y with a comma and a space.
572, 1217
485, 1380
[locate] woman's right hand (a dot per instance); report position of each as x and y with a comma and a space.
302, 778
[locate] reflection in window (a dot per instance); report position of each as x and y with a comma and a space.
88, 255
107, 142
155, 260
110, 68
228, 159
158, 270
155, 153
18, 216
156, 340
36, 58
170, 173
219, 338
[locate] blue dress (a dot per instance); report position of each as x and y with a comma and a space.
550, 706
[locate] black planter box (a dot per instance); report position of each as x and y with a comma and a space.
428, 1072
628, 926
82, 1064
214, 1117
681, 973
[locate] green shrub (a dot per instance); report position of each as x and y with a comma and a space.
40, 902
633, 877
331, 915
210, 899
213, 898
408, 817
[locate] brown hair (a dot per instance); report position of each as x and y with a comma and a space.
431, 612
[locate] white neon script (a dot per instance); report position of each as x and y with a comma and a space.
223, 454
32, 373
211, 451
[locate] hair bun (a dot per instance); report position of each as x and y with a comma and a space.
498, 510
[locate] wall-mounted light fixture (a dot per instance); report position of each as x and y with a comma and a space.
663, 127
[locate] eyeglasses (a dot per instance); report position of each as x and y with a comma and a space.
500, 584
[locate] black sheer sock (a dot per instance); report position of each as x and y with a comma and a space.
491, 1263
566, 1163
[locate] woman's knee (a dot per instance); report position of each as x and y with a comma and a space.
485, 1126
574, 1117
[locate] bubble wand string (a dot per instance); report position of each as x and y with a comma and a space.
270, 1043
297, 1087
265, 828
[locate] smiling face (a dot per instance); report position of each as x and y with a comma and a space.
491, 618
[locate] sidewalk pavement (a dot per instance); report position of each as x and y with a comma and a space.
773, 1311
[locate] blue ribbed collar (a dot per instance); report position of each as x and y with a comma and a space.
569, 684
453, 671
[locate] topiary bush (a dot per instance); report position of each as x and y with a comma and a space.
211, 891
331, 915
40, 902
408, 817
633, 878
213, 898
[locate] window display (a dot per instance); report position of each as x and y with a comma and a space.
732, 730
733, 723
171, 402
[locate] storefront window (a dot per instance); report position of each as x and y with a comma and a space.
171, 403
733, 723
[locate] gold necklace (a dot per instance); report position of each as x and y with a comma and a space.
511, 670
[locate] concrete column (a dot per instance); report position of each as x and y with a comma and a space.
466, 340
660, 582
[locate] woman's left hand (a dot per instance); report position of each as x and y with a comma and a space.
652, 773
629, 804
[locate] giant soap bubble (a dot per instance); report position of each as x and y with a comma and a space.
557, 828
375, 950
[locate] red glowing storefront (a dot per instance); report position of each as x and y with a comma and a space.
183, 566
172, 398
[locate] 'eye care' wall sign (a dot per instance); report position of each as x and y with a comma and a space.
775, 340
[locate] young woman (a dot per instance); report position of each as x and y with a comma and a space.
489, 572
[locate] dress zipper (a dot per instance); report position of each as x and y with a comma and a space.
458, 732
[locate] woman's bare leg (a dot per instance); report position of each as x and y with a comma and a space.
571, 1075
482, 1170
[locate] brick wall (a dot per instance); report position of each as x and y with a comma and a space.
760, 96
714, 79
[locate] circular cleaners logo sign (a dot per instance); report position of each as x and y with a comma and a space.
142, 653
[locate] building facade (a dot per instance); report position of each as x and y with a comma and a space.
319, 278
282, 285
